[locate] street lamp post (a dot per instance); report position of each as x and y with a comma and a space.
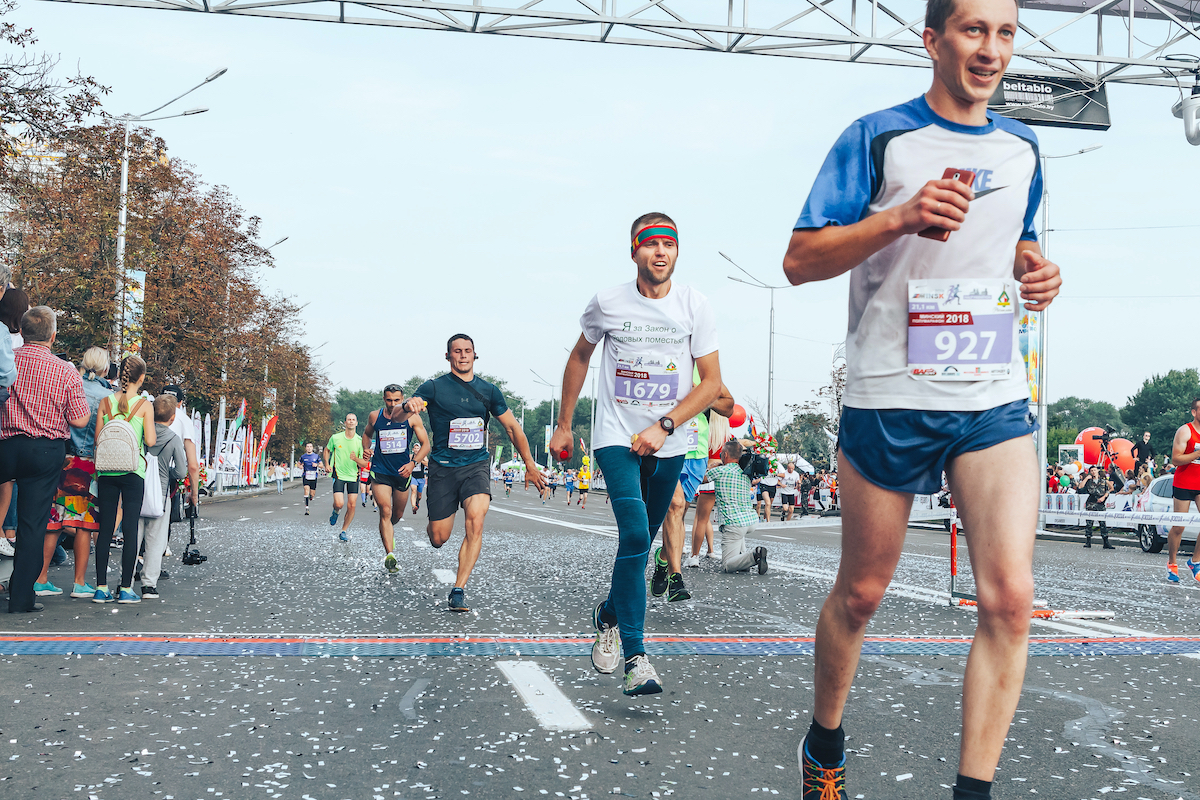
757, 284
553, 389
225, 360
1042, 405
118, 329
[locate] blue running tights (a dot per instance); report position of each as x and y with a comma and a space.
640, 489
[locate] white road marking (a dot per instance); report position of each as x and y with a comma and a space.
243, 519
405, 528
410, 698
784, 538
445, 576
268, 512
552, 709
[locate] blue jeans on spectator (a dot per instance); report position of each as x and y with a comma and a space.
640, 488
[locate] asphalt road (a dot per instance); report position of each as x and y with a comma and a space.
292, 666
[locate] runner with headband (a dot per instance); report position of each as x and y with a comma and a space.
386, 444
652, 331
930, 207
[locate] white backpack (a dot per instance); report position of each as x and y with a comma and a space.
118, 448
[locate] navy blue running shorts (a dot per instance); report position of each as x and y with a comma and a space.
906, 451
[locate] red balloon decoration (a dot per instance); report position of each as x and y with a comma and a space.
738, 418
1091, 447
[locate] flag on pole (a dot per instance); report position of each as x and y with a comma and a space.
582, 446
207, 449
268, 432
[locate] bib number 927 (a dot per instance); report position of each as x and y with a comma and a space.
965, 346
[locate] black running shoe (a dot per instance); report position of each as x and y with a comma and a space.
658, 583
760, 558
676, 591
458, 599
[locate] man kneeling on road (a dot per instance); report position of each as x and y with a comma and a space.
735, 501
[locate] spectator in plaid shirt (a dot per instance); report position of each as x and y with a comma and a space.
735, 501
46, 397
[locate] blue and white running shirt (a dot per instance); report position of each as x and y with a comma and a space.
881, 161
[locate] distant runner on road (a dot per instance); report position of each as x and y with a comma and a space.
345, 451
308, 466
387, 445
1185, 488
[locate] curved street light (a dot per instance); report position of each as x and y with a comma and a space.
758, 284
1042, 406
118, 329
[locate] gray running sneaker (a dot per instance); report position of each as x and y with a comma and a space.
641, 678
458, 599
760, 558
606, 650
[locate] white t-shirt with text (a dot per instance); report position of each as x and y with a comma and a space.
649, 347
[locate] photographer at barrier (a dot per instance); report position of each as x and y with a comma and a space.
1097, 491
735, 501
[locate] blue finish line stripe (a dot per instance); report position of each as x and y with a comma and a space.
516, 646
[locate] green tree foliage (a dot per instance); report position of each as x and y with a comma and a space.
1080, 413
360, 403
1055, 437
805, 435
1162, 405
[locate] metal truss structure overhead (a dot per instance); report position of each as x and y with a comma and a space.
1097, 41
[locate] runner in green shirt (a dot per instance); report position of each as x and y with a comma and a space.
346, 451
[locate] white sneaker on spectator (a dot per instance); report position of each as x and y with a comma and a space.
694, 561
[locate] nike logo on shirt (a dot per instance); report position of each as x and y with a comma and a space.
989, 191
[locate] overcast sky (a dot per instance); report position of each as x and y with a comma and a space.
430, 183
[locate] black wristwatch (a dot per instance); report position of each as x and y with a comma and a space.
667, 424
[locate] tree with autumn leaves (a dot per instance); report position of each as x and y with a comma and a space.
190, 249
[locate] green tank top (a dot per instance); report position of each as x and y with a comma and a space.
138, 430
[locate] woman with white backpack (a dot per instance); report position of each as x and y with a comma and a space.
124, 428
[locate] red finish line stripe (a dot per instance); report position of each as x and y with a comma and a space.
184, 638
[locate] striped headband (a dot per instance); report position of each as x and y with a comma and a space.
654, 232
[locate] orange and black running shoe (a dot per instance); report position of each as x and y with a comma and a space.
818, 782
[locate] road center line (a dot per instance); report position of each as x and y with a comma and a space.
445, 576
552, 709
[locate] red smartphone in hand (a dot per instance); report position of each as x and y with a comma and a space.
951, 174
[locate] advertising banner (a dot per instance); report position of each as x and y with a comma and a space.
1056, 102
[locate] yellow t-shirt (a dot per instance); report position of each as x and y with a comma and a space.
583, 478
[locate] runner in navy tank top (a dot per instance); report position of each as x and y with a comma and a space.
387, 444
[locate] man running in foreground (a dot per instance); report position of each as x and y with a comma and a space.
345, 450
926, 389
386, 444
460, 406
653, 331
308, 466
1185, 488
